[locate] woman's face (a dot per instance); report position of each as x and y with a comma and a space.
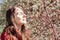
20, 17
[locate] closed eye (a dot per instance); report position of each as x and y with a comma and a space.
21, 13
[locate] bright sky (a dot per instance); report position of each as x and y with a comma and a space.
1, 1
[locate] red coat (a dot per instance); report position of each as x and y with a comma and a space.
6, 36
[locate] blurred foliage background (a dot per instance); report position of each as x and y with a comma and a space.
43, 17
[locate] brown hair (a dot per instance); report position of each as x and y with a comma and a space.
9, 24
9, 13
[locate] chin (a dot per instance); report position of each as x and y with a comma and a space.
23, 22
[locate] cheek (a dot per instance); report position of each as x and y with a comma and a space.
21, 19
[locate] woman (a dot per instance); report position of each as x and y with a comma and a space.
15, 27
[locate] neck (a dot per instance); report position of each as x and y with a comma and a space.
18, 27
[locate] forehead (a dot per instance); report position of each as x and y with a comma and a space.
19, 12
17, 9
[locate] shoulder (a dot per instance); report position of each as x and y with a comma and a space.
4, 36
28, 32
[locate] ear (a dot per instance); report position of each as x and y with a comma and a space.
12, 19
